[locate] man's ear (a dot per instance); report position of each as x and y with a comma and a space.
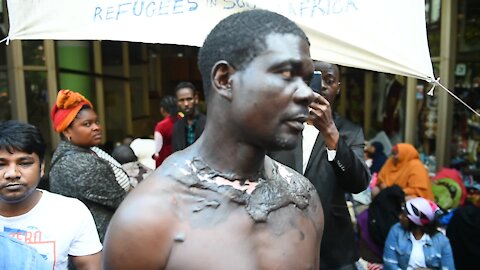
196, 98
42, 169
221, 79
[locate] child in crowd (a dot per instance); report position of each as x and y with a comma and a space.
415, 242
130, 164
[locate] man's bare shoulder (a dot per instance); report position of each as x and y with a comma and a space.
286, 173
144, 225
291, 176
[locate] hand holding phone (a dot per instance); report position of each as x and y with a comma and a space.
316, 82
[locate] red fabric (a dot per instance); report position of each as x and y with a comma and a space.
374, 266
455, 175
165, 127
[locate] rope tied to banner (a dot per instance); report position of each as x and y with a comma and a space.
437, 83
6, 39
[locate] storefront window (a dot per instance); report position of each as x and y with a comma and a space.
468, 25
3, 47
433, 19
5, 103
138, 80
466, 127
37, 102
38, 111
114, 110
139, 92
33, 53
355, 95
112, 53
114, 83
427, 124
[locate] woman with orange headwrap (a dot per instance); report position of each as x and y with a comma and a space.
79, 169
405, 169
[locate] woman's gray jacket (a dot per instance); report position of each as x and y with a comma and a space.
79, 173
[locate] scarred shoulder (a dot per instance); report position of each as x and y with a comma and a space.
314, 210
288, 174
141, 232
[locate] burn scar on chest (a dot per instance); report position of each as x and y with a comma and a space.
202, 203
259, 196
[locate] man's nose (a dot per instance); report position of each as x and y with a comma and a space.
304, 94
12, 172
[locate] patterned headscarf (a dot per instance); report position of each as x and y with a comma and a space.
66, 108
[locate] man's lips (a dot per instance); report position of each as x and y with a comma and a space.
301, 118
296, 123
13, 186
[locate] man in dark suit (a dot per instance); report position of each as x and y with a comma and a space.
330, 154
187, 130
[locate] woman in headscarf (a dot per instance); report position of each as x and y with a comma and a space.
79, 168
377, 155
404, 168
415, 242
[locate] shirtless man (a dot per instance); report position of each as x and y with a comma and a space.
222, 203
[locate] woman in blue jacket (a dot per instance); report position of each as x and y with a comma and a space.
415, 242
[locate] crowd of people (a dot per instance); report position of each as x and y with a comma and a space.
407, 224
277, 194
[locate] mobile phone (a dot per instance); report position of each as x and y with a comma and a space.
316, 82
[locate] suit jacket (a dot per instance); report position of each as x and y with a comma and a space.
347, 173
179, 139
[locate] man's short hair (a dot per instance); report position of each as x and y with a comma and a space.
241, 37
169, 104
18, 136
182, 85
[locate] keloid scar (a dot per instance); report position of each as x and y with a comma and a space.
281, 189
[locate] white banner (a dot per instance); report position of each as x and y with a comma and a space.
380, 35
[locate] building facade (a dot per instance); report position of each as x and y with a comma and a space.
126, 80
